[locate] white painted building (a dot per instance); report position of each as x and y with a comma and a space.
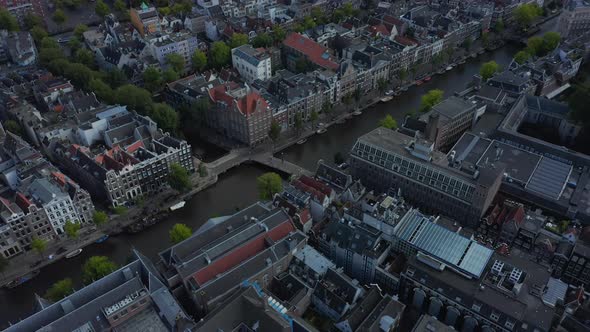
252, 63
57, 204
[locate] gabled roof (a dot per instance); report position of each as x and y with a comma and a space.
315, 52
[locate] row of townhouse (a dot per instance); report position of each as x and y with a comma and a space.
36, 199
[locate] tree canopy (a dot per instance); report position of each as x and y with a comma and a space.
238, 39
521, 57
102, 9
175, 61
72, 229
165, 116
179, 233
430, 99
526, 14
39, 245
199, 60
269, 184
488, 70
179, 178
275, 130
59, 17
60, 290
99, 217
13, 127
7, 21
220, 55
388, 122
97, 267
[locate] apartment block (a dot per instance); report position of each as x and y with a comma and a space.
252, 64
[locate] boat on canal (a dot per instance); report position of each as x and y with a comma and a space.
449, 68
102, 238
427, 79
74, 253
177, 206
386, 99
22, 279
302, 141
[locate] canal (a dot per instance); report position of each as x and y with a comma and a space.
237, 188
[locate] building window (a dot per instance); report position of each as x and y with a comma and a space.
476, 307
509, 324
495, 316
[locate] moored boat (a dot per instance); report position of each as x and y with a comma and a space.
102, 238
74, 253
177, 206
22, 279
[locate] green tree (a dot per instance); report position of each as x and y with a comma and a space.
521, 57
388, 122
551, 40
308, 23
71, 229
175, 61
97, 267
85, 57
220, 55
278, 34
13, 127
485, 39
169, 75
7, 21
60, 290
152, 79
39, 245
59, 17
135, 98
74, 44
430, 99
488, 70
499, 26
467, 44
120, 210
327, 107
102, 91
179, 178
535, 46
275, 131
199, 60
402, 74
526, 14
99, 217
262, 40
120, 6
79, 74
179, 233
268, 185
165, 116
115, 77
102, 9
382, 84
38, 33
238, 39
79, 31
31, 20
313, 117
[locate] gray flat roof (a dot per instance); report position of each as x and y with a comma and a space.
452, 107
549, 178
460, 252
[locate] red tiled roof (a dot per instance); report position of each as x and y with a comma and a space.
241, 253
59, 177
405, 41
322, 187
6, 203
392, 20
246, 105
22, 201
316, 194
314, 52
304, 216
379, 29
133, 147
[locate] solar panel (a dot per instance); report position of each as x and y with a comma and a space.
549, 178
438, 242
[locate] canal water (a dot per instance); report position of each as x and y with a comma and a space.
237, 188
